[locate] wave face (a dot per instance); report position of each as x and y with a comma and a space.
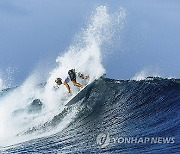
120, 109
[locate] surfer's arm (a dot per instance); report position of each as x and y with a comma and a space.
68, 88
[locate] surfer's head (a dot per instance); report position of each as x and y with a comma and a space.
58, 81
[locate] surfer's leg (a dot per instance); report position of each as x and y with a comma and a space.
77, 84
72, 76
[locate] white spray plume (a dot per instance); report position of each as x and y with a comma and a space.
86, 55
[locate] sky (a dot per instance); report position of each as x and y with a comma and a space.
34, 32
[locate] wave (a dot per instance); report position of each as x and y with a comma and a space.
123, 108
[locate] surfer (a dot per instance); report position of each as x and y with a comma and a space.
71, 76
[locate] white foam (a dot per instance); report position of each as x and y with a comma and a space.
146, 72
1, 84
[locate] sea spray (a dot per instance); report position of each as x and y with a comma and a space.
85, 54
1, 84
146, 72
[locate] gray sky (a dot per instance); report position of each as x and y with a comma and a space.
36, 31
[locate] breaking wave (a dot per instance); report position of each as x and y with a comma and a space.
122, 109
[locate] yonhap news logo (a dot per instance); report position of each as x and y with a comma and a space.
104, 139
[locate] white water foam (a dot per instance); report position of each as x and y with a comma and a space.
146, 72
1, 84
85, 55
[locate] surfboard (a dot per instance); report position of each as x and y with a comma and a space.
84, 93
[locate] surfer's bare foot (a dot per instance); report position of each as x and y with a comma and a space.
86, 77
83, 76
